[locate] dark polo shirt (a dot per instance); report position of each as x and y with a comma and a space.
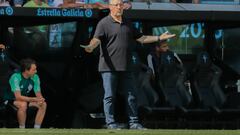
116, 41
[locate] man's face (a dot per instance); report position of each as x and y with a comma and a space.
116, 7
2, 46
163, 47
32, 70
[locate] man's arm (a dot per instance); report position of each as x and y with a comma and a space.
148, 39
19, 97
40, 98
37, 90
39, 95
92, 45
151, 39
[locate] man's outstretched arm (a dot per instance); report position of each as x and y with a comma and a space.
94, 43
151, 39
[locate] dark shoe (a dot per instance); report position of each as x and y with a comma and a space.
136, 126
113, 126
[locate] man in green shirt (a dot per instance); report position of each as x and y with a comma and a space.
22, 83
35, 3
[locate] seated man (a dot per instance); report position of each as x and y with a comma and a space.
22, 83
169, 76
153, 58
154, 62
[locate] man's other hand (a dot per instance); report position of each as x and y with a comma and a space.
87, 48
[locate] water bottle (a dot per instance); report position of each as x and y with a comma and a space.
238, 85
188, 85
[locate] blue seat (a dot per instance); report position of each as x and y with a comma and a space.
171, 81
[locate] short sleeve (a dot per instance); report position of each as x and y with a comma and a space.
99, 32
14, 82
36, 81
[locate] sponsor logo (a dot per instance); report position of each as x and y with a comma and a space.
6, 11
64, 12
9, 11
88, 13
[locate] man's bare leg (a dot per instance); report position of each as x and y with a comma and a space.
21, 112
40, 113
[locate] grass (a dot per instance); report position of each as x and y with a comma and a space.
5, 131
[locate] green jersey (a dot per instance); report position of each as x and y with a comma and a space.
19, 83
33, 4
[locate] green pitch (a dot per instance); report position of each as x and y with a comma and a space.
4, 131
